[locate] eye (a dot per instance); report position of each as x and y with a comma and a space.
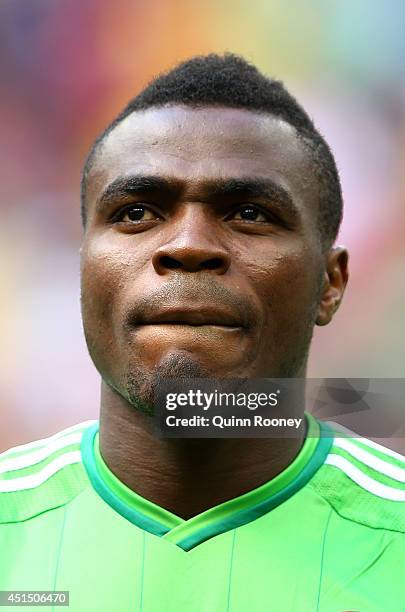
249, 212
135, 213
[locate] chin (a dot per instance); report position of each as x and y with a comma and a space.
140, 381
180, 364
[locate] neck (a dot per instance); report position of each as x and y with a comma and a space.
185, 476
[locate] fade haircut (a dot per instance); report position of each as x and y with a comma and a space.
230, 81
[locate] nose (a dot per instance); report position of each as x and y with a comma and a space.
193, 246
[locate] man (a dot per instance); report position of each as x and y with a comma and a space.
210, 210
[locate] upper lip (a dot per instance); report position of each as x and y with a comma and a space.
193, 316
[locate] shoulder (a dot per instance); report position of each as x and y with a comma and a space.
363, 481
41, 475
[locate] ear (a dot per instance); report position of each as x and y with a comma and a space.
334, 283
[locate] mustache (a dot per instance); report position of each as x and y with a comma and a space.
191, 293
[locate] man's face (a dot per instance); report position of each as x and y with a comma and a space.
201, 255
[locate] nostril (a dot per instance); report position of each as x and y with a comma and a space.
169, 262
212, 264
190, 260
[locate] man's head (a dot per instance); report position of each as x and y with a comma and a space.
210, 207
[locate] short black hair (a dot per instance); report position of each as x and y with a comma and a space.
230, 81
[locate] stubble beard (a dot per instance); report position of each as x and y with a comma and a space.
142, 385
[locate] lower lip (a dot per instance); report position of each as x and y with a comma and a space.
182, 331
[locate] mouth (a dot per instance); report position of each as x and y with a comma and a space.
177, 325
200, 317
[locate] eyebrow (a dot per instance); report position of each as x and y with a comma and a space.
256, 187
246, 187
128, 185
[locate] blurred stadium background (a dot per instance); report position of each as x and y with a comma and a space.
67, 67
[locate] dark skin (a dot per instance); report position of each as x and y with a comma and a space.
213, 211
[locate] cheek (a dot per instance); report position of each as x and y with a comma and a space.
286, 283
104, 274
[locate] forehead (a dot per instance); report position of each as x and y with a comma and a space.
204, 144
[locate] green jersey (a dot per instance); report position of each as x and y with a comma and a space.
327, 534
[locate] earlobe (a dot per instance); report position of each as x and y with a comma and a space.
326, 313
335, 279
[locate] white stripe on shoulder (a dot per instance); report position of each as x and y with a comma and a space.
35, 456
352, 434
364, 481
34, 480
43, 441
388, 469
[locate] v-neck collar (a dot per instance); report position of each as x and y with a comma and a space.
189, 533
